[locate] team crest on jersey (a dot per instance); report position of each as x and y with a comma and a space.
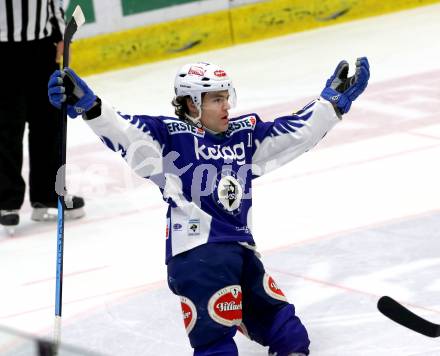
189, 312
245, 123
228, 193
225, 306
179, 127
272, 289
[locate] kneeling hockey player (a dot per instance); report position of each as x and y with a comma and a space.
204, 162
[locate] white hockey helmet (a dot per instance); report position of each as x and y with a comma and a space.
196, 78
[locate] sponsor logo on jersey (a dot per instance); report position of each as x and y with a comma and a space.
241, 124
229, 193
220, 73
194, 227
245, 229
167, 230
177, 127
177, 227
225, 306
272, 289
228, 153
189, 312
196, 71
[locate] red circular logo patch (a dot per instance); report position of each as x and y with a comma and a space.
272, 289
220, 73
189, 313
225, 306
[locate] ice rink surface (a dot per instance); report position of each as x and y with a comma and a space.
356, 218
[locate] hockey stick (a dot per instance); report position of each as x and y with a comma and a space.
72, 26
399, 314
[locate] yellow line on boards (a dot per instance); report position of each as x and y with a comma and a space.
222, 29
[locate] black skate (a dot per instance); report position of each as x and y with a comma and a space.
9, 219
74, 210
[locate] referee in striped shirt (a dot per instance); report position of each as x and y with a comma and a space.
30, 50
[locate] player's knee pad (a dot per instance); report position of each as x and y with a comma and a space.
223, 347
288, 335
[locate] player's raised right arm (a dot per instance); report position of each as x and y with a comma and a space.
139, 139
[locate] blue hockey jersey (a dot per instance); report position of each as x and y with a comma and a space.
206, 179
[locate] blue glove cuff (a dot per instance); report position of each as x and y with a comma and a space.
338, 100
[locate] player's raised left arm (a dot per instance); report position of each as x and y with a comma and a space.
284, 139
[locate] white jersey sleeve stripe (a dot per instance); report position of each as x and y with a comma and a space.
277, 147
141, 151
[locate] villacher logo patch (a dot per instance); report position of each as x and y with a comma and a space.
225, 306
272, 289
189, 312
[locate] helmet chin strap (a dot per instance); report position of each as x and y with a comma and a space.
196, 121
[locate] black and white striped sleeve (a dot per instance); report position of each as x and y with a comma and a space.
57, 19
28, 20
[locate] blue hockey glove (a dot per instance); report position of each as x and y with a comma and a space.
66, 86
342, 91
55, 89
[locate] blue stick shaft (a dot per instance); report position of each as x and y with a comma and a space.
60, 251
61, 206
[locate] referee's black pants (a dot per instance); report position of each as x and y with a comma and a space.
25, 68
